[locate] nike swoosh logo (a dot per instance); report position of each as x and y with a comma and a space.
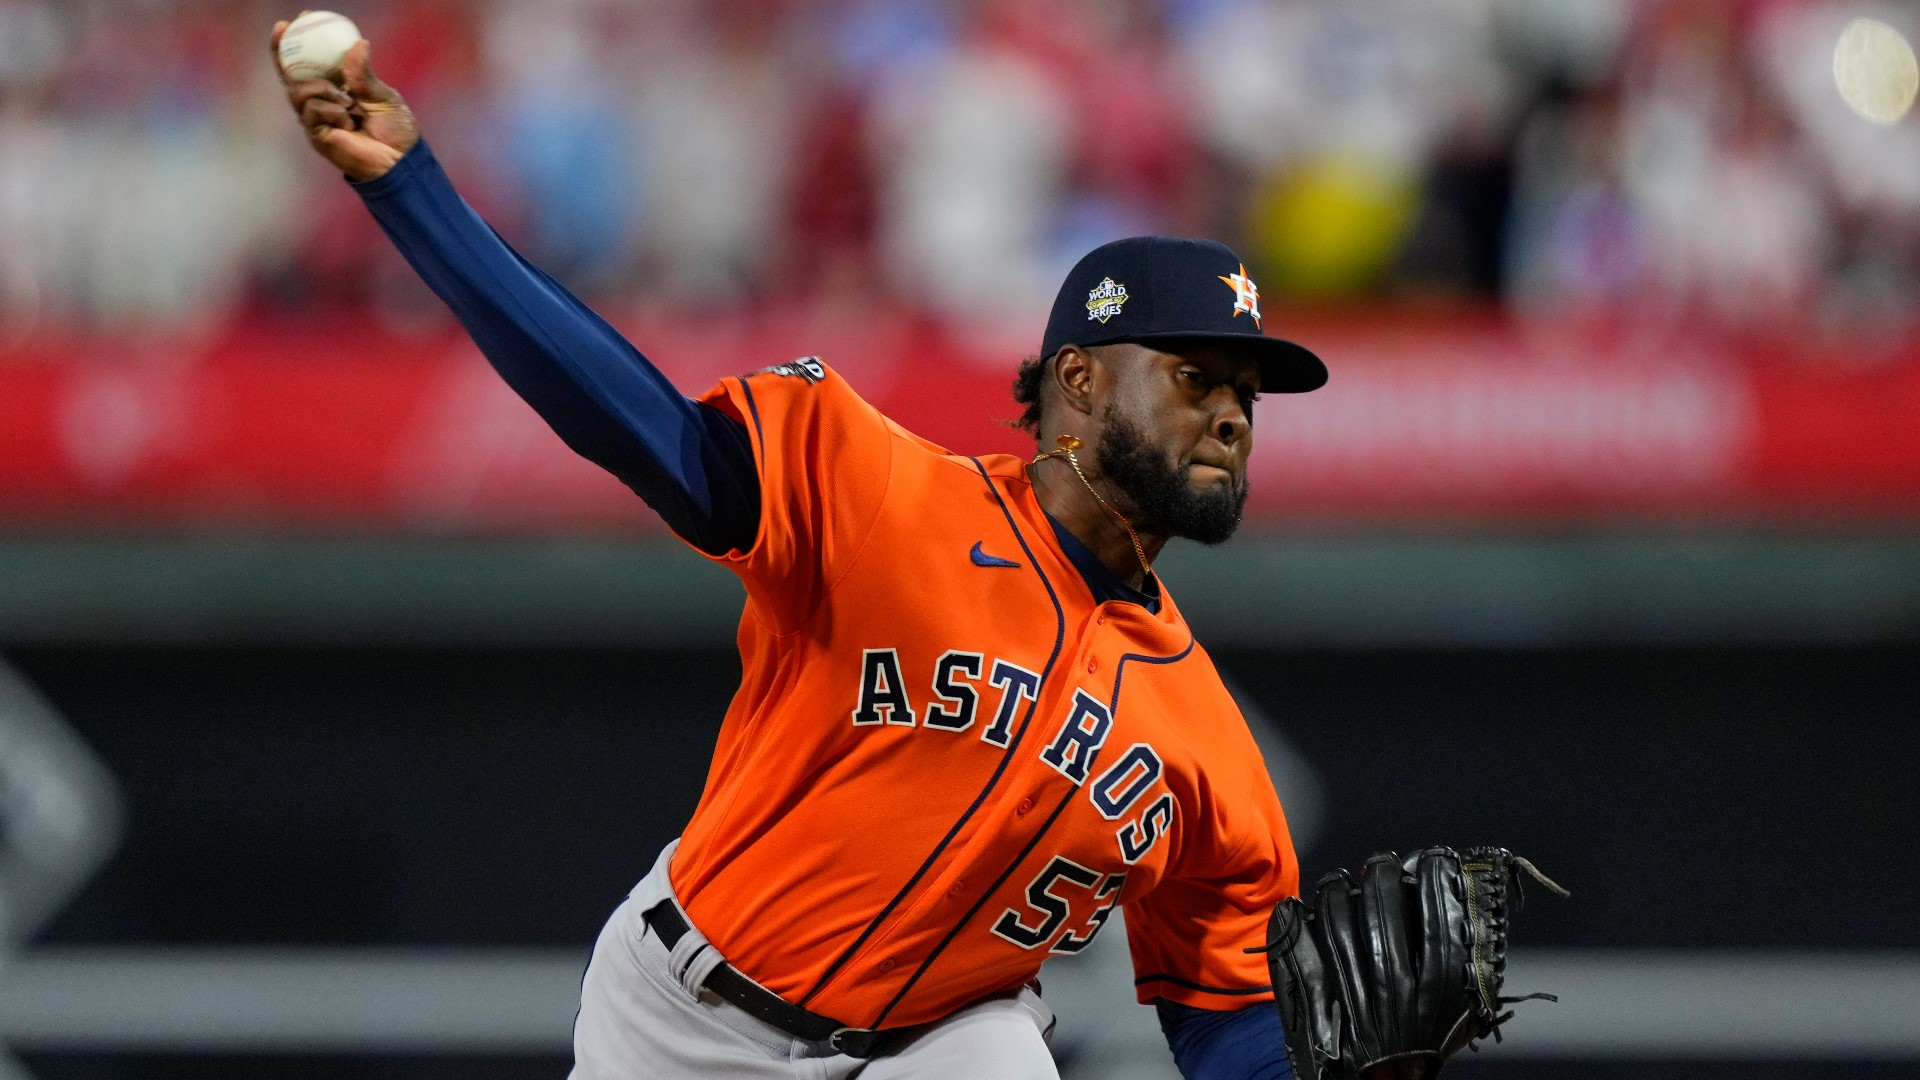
981, 558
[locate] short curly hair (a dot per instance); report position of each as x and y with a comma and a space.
1027, 384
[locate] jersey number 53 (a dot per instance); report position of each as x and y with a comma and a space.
1050, 910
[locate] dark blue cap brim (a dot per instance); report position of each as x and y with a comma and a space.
1285, 367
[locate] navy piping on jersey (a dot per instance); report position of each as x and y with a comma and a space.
1006, 756
1113, 706
1177, 981
1121, 671
1101, 580
754, 411
960, 923
1145, 979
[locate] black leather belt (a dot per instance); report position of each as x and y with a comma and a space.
732, 986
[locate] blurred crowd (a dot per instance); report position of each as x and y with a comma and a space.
1664, 159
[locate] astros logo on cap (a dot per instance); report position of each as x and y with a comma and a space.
1246, 295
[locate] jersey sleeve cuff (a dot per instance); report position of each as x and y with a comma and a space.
1199, 995
410, 167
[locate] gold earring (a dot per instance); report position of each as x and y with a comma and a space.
1068, 444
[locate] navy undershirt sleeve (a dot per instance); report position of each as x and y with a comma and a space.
1246, 1044
692, 463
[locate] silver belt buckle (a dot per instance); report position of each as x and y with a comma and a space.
852, 1041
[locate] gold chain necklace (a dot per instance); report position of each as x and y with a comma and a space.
1068, 444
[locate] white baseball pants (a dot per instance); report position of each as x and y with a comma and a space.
644, 1014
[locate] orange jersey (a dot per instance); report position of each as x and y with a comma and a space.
946, 762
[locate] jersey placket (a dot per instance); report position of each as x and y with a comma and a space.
1019, 826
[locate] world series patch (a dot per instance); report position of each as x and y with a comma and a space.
807, 367
1106, 300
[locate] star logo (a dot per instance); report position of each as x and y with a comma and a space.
1246, 295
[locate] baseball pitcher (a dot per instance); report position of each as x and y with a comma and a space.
972, 723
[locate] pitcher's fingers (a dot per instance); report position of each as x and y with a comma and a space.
356, 71
273, 48
318, 114
299, 93
329, 139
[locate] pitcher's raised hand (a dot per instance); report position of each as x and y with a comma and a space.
361, 124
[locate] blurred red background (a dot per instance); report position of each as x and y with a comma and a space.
1568, 262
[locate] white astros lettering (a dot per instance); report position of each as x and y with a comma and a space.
1081, 737
1071, 752
1136, 839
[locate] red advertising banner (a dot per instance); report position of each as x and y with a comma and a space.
1463, 418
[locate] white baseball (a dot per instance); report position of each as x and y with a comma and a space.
1876, 71
314, 44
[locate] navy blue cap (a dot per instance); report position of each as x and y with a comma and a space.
1164, 289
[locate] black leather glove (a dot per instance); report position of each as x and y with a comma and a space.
1404, 962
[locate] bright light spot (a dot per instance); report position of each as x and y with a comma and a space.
1875, 70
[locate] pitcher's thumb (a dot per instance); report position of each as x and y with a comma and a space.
356, 70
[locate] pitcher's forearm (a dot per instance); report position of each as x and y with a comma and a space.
691, 463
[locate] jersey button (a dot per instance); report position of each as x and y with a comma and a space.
957, 889
1092, 664
885, 965
1025, 805
1100, 621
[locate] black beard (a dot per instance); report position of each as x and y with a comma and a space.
1163, 500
